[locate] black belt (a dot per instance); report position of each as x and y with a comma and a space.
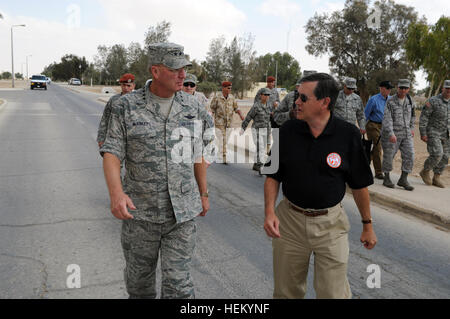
374, 122
309, 213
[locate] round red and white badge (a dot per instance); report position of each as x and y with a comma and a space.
334, 160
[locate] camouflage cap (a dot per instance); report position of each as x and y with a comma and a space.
265, 91
350, 83
308, 72
168, 54
447, 84
404, 83
190, 78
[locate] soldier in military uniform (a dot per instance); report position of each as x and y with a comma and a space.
434, 128
287, 109
274, 99
156, 131
349, 105
190, 87
260, 114
397, 132
127, 85
222, 106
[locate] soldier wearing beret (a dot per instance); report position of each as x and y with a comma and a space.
157, 130
397, 132
274, 99
260, 114
127, 85
349, 105
434, 128
222, 106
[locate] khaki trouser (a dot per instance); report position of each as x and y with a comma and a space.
222, 142
326, 237
373, 133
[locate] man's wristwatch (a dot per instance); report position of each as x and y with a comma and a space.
204, 194
368, 221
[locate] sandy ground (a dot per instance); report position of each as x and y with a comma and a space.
420, 148
18, 84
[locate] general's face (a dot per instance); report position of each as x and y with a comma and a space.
127, 87
171, 79
402, 91
189, 87
308, 107
446, 93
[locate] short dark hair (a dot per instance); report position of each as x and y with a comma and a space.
326, 87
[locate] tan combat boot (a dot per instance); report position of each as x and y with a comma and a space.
437, 181
425, 174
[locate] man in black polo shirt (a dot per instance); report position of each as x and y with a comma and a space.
318, 155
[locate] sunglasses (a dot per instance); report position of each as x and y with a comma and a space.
192, 85
266, 94
403, 88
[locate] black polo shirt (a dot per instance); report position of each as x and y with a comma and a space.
314, 171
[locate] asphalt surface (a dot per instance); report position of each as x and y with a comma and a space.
54, 212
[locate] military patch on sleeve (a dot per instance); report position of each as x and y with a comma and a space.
190, 117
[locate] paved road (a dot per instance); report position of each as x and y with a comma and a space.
54, 212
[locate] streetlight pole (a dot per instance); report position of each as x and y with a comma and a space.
12, 50
27, 66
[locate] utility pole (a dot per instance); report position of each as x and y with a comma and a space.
12, 50
27, 66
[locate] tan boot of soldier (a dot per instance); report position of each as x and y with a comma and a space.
425, 174
437, 181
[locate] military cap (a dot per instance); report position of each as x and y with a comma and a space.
127, 78
226, 84
308, 72
168, 54
270, 79
265, 91
190, 78
386, 84
404, 83
447, 84
350, 83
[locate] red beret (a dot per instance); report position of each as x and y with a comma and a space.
127, 78
270, 79
226, 84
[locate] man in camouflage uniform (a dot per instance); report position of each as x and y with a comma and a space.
287, 109
274, 99
157, 131
190, 87
397, 132
127, 85
434, 128
260, 114
349, 105
222, 106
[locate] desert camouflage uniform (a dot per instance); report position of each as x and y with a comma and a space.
161, 185
282, 112
399, 121
103, 126
222, 109
435, 124
260, 115
350, 109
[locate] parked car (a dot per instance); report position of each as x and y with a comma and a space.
74, 81
38, 81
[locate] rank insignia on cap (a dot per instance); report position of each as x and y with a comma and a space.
334, 160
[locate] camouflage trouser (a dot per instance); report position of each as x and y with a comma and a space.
223, 141
142, 242
406, 146
261, 138
439, 150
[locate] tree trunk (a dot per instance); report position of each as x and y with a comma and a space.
431, 87
439, 87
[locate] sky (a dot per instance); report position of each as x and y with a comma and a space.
58, 27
